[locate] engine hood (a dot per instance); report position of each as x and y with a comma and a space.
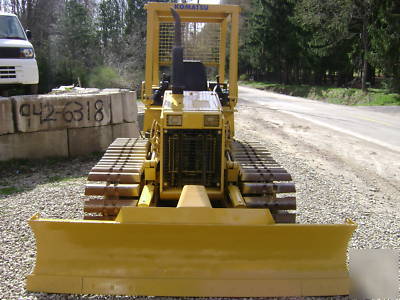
15, 43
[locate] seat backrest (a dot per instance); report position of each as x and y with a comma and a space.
195, 76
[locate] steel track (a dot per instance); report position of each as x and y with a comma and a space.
263, 181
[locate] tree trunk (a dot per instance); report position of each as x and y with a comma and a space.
29, 14
371, 75
364, 38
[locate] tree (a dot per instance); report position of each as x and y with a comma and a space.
110, 21
135, 37
326, 39
341, 26
271, 43
385, 42
78, 51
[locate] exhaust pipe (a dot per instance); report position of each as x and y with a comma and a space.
178, 83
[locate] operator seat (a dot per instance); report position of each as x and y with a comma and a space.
195, 76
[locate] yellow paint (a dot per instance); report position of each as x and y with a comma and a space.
151, 113
150, 170
190, 120
150, 174
149, 58
146, 196
175, 193
156, 47
190, 251
194, 196
236, 196
229, 116
233, 175
233, 65
143, 86
220, 14
177, 101
205, 252
222, 51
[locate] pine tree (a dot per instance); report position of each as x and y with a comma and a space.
270, 42
385, 42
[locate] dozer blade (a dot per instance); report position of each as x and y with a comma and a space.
188, 251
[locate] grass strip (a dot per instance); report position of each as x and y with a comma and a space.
346, 96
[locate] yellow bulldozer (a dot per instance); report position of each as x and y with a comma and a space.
186, 209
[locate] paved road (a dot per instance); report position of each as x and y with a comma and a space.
379, 125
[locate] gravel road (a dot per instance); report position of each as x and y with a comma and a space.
336, 176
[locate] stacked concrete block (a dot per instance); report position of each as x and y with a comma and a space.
125, 130
67, 124
6, 117
117, 116
129, 128
87, 140
129, 106
50, 112
40, 144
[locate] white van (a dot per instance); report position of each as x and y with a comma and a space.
18, 64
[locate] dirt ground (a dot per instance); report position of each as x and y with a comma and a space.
337, 176
326, 149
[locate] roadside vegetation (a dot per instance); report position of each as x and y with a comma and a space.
347, 96
343, 43
8, 190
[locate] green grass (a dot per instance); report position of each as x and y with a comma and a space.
347, 96
9, 190
57, 178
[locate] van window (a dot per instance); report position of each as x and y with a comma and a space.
10, 28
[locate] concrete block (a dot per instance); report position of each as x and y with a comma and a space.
117, 115
6, 147
111, 90
129, 106
49, 112
34, 145
125, 130
6, 116
82, 141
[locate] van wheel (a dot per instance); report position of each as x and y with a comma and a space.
31, 89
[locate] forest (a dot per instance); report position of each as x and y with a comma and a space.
101, 43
